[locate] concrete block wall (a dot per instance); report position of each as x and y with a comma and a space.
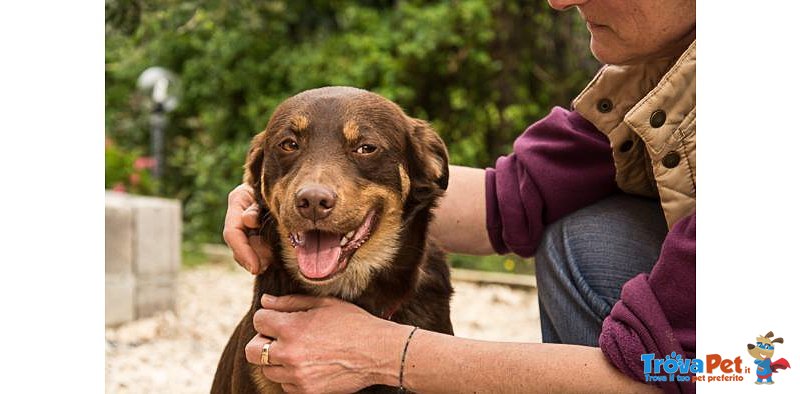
143, 255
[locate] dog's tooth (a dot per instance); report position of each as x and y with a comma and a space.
350, 234
343, 242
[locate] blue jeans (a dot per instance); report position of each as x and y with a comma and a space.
584, 259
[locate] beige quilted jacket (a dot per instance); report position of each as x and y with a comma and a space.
648, 113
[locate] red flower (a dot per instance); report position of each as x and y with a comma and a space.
144, 162
119, 187
134, 179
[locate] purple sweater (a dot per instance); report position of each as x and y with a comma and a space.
563, 163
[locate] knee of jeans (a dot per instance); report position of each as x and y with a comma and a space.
568, 237
560, 262
549, 241
551, 255
565, 247
592, 228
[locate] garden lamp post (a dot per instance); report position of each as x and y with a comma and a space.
161, 87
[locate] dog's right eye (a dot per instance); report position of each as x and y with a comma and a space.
289, 145
366, 149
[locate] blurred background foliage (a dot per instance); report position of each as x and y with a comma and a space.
479, 70
127, 170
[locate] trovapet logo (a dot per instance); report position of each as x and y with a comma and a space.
716, 368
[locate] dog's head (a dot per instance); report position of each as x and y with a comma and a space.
343, 172
764, 347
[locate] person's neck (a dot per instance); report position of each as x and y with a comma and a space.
668, 53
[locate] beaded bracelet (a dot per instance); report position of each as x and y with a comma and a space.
402, 389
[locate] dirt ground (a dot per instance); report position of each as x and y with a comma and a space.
178, 352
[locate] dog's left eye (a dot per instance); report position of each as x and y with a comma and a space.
366, 149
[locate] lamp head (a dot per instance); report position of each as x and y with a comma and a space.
161, 86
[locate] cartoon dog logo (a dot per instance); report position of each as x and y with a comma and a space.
762, 351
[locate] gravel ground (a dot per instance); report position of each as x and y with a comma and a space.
178, 352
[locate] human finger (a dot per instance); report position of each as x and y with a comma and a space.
234, 232
242, 197
277, 373
254, 348
291, 303
250, 216
243, 253
262, 251
270, 323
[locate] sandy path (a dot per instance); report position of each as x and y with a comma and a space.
178, 352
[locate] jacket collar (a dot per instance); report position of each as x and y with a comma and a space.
634, 92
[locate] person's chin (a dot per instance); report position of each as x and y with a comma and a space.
608, 53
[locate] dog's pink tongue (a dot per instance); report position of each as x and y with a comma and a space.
318, 256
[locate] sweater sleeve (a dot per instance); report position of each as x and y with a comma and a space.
656, 312
560, 164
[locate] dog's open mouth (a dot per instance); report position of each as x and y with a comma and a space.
321, 255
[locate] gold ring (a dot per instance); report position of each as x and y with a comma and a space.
265, 353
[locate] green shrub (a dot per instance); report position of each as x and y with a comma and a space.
503, 263
127, 171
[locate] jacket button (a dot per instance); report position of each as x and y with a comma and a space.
671, 160
626, 146
604, 105
657, 118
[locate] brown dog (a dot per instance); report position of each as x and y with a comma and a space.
346, 182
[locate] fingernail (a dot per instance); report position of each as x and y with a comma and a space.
268, 299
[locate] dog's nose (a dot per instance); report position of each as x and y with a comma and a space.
750, 346
315, 202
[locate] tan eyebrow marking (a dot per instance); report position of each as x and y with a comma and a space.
350, 130
299, 122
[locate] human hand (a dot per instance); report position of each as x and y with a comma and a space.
249, 251
325, 345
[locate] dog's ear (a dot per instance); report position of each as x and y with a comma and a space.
253, 168
255, 163
428, 165
769, 335
777, 340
